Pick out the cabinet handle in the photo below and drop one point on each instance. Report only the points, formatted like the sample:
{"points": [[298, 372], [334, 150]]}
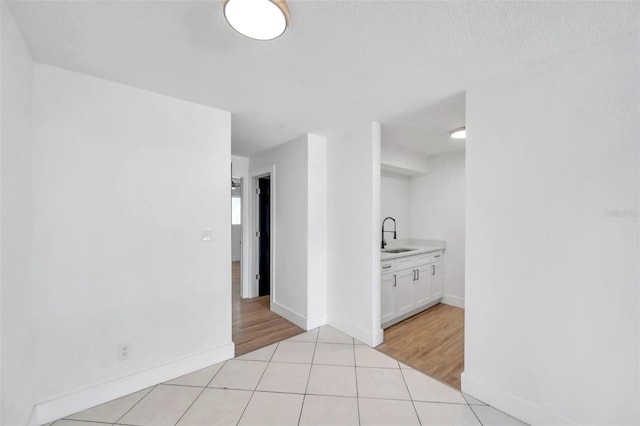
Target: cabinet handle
{"points": [[433, 269], [414, 274], [395, 281], [386, 267]]}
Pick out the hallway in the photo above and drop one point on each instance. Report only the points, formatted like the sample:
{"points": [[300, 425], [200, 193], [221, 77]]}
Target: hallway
{"points": [[253, 324]]}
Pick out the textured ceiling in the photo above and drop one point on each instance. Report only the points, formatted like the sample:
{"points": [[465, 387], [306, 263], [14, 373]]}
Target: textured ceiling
{"points": [[426, 130], [339, 61]]}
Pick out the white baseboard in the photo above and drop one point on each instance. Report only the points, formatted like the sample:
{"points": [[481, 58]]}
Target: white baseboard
{"points": [[289, 315], [317, 321], [370, 337], [449, 299], [47, 411], [511, 404], [299, 320]]}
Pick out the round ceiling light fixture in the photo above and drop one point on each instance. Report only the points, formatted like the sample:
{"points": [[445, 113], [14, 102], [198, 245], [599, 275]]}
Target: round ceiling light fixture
{"points": [[257, 19], [458, 134]]}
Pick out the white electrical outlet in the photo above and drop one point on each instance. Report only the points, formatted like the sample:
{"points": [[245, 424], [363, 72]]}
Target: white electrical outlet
{"points": [[124, 351]]}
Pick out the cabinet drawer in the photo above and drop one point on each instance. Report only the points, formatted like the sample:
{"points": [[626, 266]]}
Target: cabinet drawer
{"points": [[386, 267], [413, 261], [437, 256]]}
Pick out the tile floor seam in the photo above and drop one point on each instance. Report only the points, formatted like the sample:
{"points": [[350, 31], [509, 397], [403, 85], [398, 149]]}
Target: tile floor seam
{"points": [[134, 405], [257, 384], [476, 415], [334, 343], [184, 386], [304, 396], [440, 402], [413, 404], [337, 396], [471, 408], [82, 421], [355, 372], [189, 407], [329, 365], [502, 412], [201, 392]]}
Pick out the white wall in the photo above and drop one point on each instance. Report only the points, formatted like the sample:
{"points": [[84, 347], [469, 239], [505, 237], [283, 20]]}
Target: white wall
{"points": [[553, 181], [300, 168], [16, 357], [353, 255], [437, 201], [317, 231], [400, 159], [394, 202], [124, 181]]}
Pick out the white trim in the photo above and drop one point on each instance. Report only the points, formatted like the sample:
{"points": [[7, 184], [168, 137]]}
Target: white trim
{"points": [[370, 337], [317, 321], [65, 405], [289, 315], [511, 404], [449, 299]]}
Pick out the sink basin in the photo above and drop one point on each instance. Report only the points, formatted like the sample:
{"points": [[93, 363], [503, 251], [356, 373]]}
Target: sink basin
{"points": [[398, 250]]}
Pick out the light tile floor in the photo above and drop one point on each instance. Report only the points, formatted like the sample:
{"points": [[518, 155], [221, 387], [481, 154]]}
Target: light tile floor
{"points": [[321, 377]]}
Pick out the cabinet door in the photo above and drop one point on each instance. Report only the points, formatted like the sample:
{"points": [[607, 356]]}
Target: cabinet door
{"points": [[437, 280], [386, 297], [403, 292], [422, 286]]}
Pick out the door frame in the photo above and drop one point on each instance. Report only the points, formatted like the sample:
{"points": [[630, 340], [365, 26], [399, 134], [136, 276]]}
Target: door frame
{"points": [[254, 176]]}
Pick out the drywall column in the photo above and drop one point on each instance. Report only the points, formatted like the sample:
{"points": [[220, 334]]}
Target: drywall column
{"points": [[16, 330], [131, 227], [353, 254], [551, 324]]}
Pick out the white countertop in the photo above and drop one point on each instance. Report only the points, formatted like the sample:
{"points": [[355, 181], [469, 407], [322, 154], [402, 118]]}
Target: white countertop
{"points": [[417, 246]]}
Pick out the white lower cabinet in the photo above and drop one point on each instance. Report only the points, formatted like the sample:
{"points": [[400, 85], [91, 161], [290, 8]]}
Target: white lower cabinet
{"points": [[437, 280], [403, 292], [409, 285], [387, 284], [423, 284]]}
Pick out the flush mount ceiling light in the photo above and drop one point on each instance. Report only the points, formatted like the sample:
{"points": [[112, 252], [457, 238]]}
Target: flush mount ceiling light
{"points": [[458, 134], [257, 19]]}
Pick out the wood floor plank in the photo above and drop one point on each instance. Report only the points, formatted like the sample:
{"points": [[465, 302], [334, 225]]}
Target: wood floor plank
{"points": [[253, 324], [432, 342]]}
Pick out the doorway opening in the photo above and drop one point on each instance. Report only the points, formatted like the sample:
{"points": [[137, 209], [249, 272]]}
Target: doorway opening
{"points": [[254, 324], [264, 236], [422, 186]]}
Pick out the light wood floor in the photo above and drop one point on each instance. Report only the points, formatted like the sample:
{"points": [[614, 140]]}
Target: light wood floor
{"points": [[254, 325], [432, 342]]}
